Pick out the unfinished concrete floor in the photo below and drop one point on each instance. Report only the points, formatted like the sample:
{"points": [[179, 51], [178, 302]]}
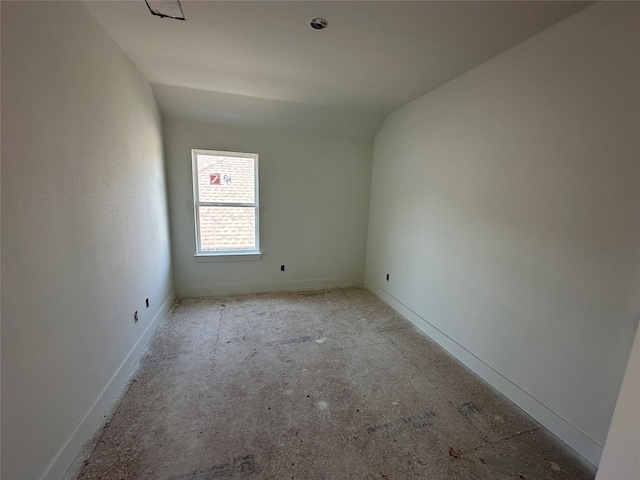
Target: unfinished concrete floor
{"points": [[312, 385]]}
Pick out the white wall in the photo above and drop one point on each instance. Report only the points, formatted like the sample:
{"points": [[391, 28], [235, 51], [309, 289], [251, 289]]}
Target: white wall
{"points": [[506, 207], [84, 230], [314, 200], [620, 459]]}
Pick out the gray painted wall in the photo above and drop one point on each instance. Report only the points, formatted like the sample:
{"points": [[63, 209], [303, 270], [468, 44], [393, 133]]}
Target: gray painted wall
{"points": [[84, 230], [314, 201], [505, 205]]}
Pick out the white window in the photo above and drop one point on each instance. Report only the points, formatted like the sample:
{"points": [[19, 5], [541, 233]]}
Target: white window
{"points": [[225, 197]]}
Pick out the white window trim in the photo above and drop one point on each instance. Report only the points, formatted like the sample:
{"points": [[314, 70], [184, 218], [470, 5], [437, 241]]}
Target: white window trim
{"points": [[224, 255]]}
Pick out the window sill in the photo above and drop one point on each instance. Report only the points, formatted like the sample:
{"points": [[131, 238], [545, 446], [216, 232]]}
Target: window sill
{"points": [[228, 257]]}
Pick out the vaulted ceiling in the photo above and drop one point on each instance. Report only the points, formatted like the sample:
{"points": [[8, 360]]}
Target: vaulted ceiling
{"points": [[260, 62]]}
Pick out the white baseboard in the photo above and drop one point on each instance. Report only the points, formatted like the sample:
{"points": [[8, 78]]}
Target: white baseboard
{"points": [[584, 445], [64, 458], [237, 288]]}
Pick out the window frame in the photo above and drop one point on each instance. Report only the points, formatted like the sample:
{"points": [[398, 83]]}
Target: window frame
{"points": [[223, 255]]}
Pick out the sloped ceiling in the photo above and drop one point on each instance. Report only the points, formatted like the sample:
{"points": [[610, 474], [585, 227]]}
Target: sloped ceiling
{"points": [[260, 63]]}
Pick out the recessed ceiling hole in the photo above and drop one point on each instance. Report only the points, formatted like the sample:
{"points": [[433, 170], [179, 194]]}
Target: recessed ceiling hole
{"points": [[318, 23]]}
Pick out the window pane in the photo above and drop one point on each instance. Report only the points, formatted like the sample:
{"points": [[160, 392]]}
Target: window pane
{"points": [[227, 228], [226, 179]]}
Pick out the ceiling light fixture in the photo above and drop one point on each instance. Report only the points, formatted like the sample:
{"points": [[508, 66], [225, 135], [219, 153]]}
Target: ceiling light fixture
{"points": [[166, 9], [318, 23]]}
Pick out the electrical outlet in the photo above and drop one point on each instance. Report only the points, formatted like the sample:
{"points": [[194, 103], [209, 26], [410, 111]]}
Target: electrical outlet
{"points": [[387, 277], [282, 268], [135, 317]]}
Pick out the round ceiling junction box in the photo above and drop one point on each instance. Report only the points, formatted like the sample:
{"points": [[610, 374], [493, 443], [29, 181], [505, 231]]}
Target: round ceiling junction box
{"points": [[318, 23]]}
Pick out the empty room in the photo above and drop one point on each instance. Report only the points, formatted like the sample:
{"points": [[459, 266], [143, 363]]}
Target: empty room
{"points": [[320, 240]]}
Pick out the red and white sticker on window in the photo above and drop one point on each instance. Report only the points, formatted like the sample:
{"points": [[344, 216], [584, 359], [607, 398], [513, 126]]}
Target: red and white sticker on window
{"points": [[214, 179]]}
